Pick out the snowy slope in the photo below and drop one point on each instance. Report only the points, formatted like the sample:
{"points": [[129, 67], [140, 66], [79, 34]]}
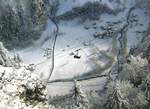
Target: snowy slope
{"points": [[65, 87], [73, 36], [95, 55]]}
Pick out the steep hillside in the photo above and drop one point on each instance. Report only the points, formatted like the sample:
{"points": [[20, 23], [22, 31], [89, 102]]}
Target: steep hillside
{"points": [[19, 87], [22, 22], [88, 54]]}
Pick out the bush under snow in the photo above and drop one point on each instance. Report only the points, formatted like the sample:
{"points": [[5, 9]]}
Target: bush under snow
{"points": [[20, 89]]}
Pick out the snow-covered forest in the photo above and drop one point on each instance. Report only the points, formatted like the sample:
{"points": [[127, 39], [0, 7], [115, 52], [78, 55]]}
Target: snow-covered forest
{"points": [[74, 54]]}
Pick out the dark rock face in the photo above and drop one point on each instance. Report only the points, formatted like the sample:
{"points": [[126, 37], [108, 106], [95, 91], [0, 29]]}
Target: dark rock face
{"points": [[22, 21]]}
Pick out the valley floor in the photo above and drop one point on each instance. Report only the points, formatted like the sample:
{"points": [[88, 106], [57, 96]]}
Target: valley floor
{"points": [[77, 38]]}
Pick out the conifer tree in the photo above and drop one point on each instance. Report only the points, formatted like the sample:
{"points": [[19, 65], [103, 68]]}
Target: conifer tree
{"points": [[4, 58], [79, 98], [116, 100]]}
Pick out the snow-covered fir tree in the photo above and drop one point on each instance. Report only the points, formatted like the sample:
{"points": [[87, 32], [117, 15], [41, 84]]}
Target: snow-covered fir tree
{"points": [[115, 99], [123, 95], [4, 56], [79, 98]]}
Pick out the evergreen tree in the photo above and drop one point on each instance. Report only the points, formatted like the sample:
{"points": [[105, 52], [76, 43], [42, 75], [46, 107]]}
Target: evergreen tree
{"points": [[134, 70], [116, 100], [79, 99], [146, 88], [4, 58], [123, 95]]}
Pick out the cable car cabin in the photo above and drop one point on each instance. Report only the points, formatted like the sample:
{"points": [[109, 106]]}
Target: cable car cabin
{"points": [[77, 57]]}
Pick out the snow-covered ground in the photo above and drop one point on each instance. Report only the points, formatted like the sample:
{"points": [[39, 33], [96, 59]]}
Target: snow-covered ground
{"points": [[14, 83], [74, 37], [63, 88]]}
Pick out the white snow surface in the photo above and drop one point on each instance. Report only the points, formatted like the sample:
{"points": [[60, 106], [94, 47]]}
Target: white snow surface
{"points": [[11, 86], [63, 88], [73, 36]]}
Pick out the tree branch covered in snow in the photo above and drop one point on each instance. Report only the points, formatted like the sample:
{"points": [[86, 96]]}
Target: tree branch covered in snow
{"points": [[21, 89], [123, 95]]}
